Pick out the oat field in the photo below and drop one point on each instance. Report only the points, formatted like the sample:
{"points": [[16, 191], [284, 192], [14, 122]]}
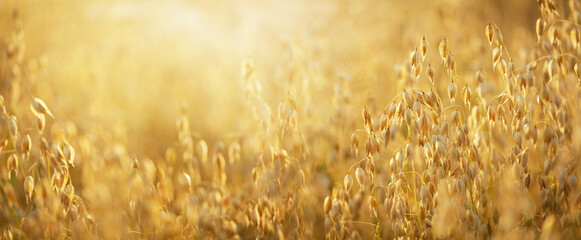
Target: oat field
{"points": [[290, 119]]}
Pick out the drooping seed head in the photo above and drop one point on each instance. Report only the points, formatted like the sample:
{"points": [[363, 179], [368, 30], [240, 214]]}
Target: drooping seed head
{"points": [[444, 49], [39, 107], [452, 89], [466, 94], [73, 212], [479, 77], [414, 59], [383, 122], [552, 68], [440, 149], [574, 37], [489, 33], [40, 122], [365, 114], [372, 205], [354, 141], [424, 194], [498, 35], [29, 187], [348, 182], [44, 146], [12, 164], [540, 28], [430, 73], [417, 108], [407, 97], [399, 158], [450, 63], [423, 47], [13, 126], [69, 154], [553, 34], [367, 121], [26, 144], [360, 176], [68, 195], [386, 136], [408, 116], [234, 152], [455, 118], [496, 54], [135, 167], [409, 151], [327, 205], [510, 68]]}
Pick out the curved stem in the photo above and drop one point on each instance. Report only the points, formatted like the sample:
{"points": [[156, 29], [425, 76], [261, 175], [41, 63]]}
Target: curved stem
{"points": [[355, 164]]}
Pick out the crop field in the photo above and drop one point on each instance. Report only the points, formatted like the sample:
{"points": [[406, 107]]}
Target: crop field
{"points": [[307, 119]]}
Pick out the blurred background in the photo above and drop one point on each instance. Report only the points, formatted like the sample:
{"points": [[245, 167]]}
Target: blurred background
{"points": [[132, 65]]}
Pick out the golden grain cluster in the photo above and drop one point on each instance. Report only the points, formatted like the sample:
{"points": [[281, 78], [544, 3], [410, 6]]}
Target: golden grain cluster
{"points": [[464, 136]]}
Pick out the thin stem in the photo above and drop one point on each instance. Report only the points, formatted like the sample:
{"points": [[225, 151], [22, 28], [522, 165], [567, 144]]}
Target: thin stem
{"points": [[357, 163], [378, 227], [359, 222], [414, 172]]}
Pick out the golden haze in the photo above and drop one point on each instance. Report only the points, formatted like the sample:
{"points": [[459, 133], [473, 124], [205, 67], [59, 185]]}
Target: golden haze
{"points": [[289, 119]]}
